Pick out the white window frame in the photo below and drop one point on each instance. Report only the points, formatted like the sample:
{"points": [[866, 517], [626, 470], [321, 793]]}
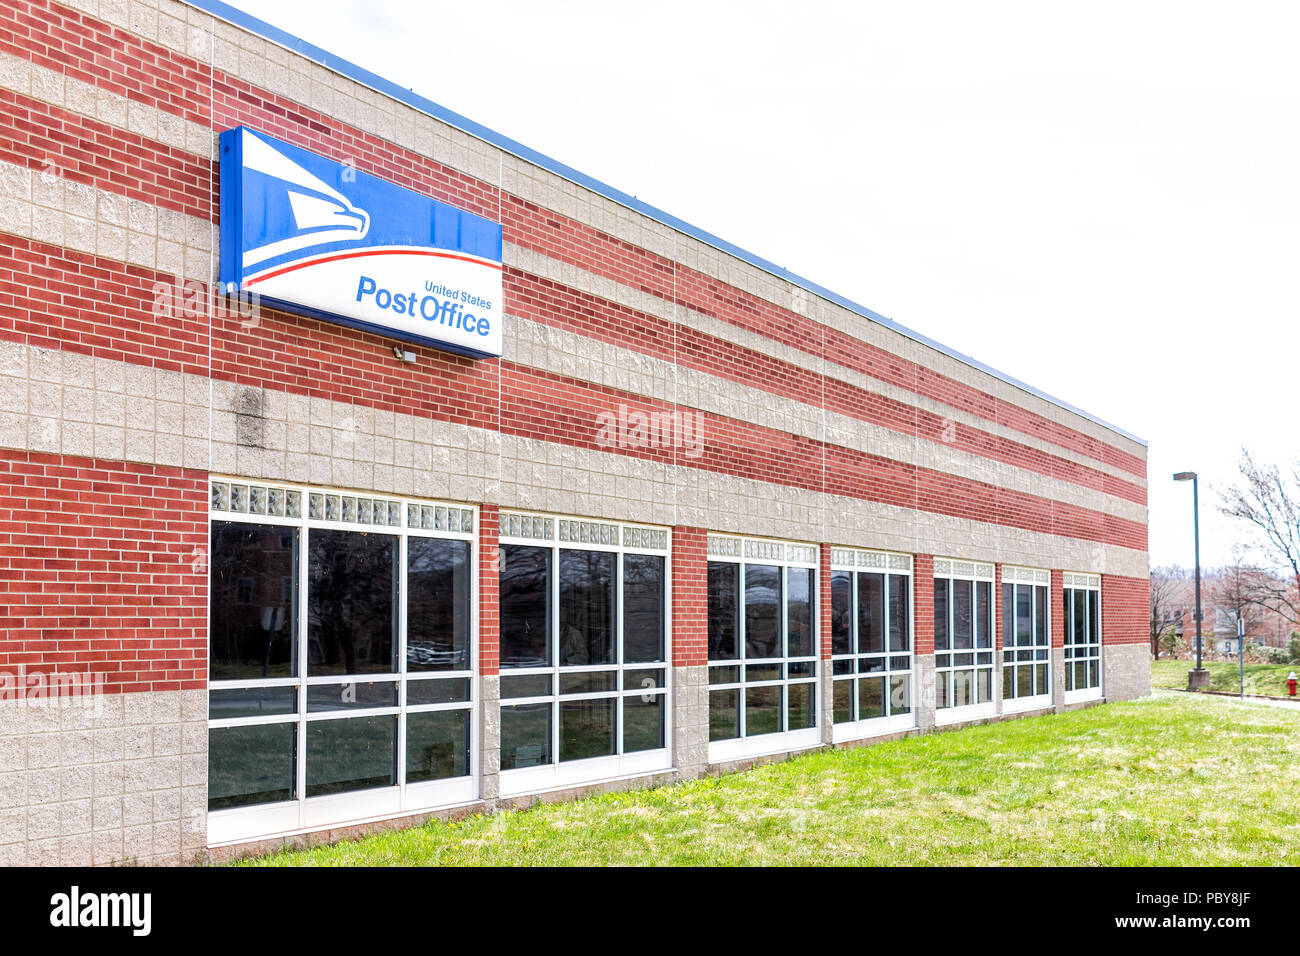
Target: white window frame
{"points": [[553, 533], [857, 561], [732, 549], [1031, 578], [344, 809], [1082, 581], [963, 569]]}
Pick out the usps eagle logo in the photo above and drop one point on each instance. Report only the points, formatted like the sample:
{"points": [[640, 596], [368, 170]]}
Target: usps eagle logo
{"points": [[320, 212]]}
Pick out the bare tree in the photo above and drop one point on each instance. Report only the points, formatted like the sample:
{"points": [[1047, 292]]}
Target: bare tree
{"points": [[1240, 588], [1271, 503], [1166, 604]]}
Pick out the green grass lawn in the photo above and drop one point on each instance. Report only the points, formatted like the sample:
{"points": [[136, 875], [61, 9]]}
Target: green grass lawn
{"points": [[1261, 679], [1175, 779]]}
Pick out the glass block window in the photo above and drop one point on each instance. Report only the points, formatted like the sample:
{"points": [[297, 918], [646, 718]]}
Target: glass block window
{"points": [[762, 636], [1082, 616], [963, 633], [340, 653], [871, 635], [1026, 635]]}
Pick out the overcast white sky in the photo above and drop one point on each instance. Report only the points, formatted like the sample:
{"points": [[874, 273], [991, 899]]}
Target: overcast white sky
{"points": [[1100, 199]]}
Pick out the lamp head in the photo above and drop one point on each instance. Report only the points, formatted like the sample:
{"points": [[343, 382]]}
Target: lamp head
{"points": [[1185, 476]]}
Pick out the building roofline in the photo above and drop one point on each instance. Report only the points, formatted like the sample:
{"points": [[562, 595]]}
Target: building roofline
{"points": [[239, 18]]}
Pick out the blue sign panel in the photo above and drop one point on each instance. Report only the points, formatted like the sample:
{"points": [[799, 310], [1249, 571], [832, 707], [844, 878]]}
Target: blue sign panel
{"points": [[324, 239]]}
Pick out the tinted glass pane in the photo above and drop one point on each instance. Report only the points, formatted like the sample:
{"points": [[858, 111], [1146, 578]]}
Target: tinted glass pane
{"points": [[841, 609], [1067, 616], [1024, 615], [1081, 675], [871, 698], [643, 722], [942, 690], [1040, 616], [724, 714], [1040, 680], [984, 686], [525, 735], [643, 607], [525, 606], [799, 612], [1024, 681], [1008, 615], [1094, 618], [351, 606], [941, 586], [527, 685], [248, 765], [437, 745], [437, 691], [763, 672], [871, 613], [588, 682], [962, 616], [799, 706], [254, 592], [983, 613], [899, 612], [762, 710], [723, 590], [842, 700], [437, 604], [587, 729], [762, 611], [1094, 673], [1008, 683], [963, 688], [357, 753], [900, 696], [586, 607], [252, 702], [355, 696], [724, 675]]}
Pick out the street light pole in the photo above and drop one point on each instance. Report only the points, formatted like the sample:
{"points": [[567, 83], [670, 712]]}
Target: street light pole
{"points": [[1241, 651], [1200, 677]]}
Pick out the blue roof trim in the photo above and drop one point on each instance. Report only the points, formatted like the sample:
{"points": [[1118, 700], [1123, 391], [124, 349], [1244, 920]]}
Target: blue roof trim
{"points": [[363, 76]]}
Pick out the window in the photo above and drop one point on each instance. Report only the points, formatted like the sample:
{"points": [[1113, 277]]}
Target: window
{"points": [[763, 650], [963, 639], [1026, 640], [340, 658], [871, 642], [1082, 617], [584, 650]]}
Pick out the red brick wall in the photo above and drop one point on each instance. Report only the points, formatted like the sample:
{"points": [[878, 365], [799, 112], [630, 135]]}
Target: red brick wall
{"points": [[690, 597], [824, 603], [1055, 608], [62, 299], [489, 591], [105, 570], [923, 627], [70, 42], [1126, 610], [71, 301]]}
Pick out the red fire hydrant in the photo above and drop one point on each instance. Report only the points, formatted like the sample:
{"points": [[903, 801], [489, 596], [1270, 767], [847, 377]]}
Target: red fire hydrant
{"points": [[1290, 685]]}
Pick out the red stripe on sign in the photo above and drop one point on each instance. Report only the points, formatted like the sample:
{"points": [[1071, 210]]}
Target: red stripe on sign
{"points": [[371, 252]]}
